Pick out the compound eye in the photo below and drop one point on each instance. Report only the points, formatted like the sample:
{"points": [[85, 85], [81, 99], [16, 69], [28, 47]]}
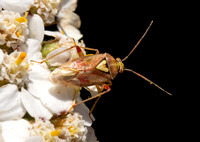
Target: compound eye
{"points": [[103, 66]]}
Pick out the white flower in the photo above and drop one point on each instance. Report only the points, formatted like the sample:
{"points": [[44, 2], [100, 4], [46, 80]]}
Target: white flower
{"points": [[70, 128], [13, 76], [15, 29], [44, 130], [57, 98], [20, 131], [17, 73], [11, 107], [63, 10], [47, 9], [14, 73], [73, 128], [69, 22], [62, 43], [14, 68], [32, 108], [39, 102], [42, 99]]}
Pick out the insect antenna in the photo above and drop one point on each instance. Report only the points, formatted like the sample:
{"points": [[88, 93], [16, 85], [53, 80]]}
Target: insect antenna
{"points": [[138, 41], [151, 82]]}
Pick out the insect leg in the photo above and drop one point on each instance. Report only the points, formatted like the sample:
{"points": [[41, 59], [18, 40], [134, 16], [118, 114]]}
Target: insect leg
{"points": [[91, 110], [91, 49], [95, 103], [78, 50], [73, 101], [108, 89], [99, 89], [54, 55], [86, 48]]}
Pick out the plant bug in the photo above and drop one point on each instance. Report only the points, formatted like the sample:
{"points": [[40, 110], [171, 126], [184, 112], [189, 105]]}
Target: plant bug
{"points": [[97, 69]]}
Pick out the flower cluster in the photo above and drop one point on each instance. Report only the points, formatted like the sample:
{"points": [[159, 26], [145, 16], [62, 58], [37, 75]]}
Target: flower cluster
{"points": [[32, 108], [14, 30]]}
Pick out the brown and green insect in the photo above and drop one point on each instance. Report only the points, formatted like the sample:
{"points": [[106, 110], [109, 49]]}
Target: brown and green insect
{"points": [[97, 69]]}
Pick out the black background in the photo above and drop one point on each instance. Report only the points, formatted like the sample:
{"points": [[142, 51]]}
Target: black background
{"points": [[134, 108]]}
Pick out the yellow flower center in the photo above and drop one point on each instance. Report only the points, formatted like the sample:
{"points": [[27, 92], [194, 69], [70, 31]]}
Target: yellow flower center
{"points": [[62, 32], [22, 19], [55, 133], [21, 58], [72, 130], [18, 33]]}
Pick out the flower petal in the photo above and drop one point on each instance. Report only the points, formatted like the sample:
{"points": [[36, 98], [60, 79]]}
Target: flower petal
{"points": [[69, 4], [69, 22], [34, 106], [67, 17], [39, 77], [91, 137], [71, 31], [33, 49], [60, 99], [59, 59], [57, 98], [34, 139], [11, 106], [84, 111], [15, 131], [36, 27], [19, 6], [92, 89], [55, 34]]}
